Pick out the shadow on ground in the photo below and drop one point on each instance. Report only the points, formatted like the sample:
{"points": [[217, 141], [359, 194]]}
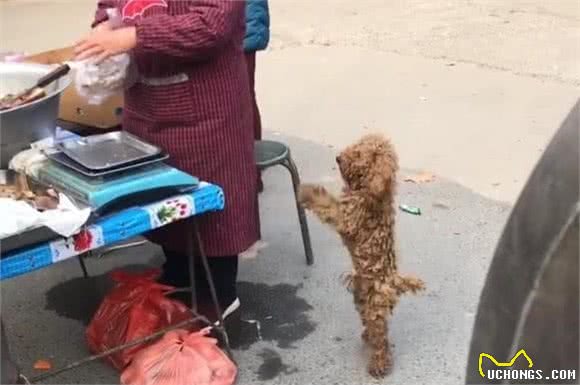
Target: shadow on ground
{"points": [[301, 326]]}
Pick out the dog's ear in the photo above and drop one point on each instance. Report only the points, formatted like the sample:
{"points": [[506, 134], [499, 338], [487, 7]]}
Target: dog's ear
{"points": [[380, 181], [383, 173]]}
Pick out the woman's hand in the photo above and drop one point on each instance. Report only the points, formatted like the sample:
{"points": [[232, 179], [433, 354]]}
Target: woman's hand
{"points": [[104, 26], [105, 42]]}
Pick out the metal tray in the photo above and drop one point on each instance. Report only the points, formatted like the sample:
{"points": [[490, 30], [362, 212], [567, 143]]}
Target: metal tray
{"points": [[62, 159], [108, 151]]}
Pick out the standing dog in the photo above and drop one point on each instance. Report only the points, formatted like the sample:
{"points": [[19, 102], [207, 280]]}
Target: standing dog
{"points": [[364, 216]]}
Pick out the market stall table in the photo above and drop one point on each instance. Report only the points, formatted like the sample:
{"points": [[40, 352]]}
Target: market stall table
{"points": [[120, 226]]}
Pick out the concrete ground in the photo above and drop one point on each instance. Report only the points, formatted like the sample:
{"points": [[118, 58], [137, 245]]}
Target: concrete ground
{"points": [[469, 90]]}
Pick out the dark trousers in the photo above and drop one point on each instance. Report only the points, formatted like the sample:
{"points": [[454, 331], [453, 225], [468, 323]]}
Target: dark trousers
{"points": [[224, 271]]}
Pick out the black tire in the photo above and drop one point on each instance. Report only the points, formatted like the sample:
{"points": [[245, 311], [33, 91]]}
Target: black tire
{"points": [[531, 295]]}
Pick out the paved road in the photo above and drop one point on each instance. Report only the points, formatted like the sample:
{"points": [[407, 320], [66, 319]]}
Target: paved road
{"points": [[470, 90], [309, 328]]}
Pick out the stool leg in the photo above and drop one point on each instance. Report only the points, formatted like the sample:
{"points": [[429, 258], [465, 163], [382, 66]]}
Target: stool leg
{"points": [[191, 251], [291, 167]]}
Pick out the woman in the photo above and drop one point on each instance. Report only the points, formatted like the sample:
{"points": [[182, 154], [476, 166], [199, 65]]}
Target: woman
{"points": [[193, 100], [257, 39]]}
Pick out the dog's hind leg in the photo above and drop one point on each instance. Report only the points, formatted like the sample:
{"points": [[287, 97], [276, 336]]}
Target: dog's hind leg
{"points": [[360, 304], [381, 360]]}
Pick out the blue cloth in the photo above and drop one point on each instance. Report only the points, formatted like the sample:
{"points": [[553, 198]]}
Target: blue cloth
{"points": [[257, 25], [114, 228]]}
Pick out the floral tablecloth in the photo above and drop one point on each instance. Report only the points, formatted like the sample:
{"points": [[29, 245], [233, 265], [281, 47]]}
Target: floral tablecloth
{"points": [[114, 228]]}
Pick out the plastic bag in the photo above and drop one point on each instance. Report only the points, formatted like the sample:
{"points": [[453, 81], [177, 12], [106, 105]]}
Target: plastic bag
{"points": [[98, 82], [135, 308], [181, 358]]}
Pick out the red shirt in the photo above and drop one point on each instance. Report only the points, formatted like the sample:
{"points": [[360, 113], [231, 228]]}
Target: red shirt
{"points": [[204, 123]]}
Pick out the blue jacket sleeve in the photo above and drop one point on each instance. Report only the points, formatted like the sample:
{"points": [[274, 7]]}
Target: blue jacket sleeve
{"points": [[257, 25]]}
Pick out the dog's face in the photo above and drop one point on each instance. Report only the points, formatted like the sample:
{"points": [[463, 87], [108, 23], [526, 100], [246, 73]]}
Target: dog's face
{"points": [[370, 164]]}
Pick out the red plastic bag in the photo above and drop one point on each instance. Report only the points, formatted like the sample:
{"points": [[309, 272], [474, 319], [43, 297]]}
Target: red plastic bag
{"points": [[181, 358], [135, 308]]}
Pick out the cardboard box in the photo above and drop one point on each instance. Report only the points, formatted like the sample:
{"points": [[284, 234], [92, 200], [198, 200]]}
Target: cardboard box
{"points": [[73, 107]]}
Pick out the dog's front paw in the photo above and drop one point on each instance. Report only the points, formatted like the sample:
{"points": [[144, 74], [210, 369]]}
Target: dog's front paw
{"points": [[408, 284], [413, 284], [365, 335], [347, 280], [380, 364], [308, 194], [418, 285]]}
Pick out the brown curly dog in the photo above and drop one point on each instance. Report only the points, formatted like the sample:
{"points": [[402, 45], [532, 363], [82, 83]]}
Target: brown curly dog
{"points": [[364, 216]]}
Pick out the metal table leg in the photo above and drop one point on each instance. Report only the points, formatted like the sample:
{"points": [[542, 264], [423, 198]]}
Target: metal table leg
{"points": [[191, 253], [81, 259], [219, 326]]}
